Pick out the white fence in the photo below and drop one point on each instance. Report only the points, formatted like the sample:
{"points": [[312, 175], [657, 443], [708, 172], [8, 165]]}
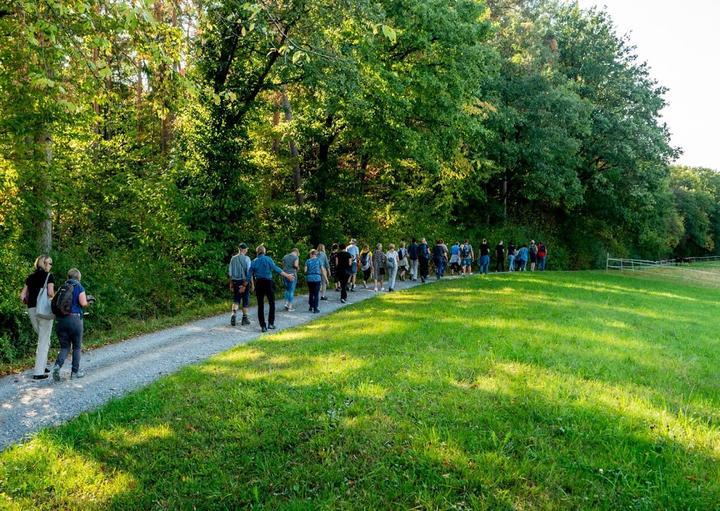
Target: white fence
{"points": [[624, 264]]}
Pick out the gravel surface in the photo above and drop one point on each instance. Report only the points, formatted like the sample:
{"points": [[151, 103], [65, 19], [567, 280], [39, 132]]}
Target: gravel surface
{"points": [[27, 405]]}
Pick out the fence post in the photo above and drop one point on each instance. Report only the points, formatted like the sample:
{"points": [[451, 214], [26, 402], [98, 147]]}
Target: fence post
{"points": [[607, 262]]}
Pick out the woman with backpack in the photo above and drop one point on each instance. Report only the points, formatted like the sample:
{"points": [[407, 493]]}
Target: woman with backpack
{"points": [[366, 264], [379, 263], [40, 280], [392, 266], [68, 306], [403, 263]]}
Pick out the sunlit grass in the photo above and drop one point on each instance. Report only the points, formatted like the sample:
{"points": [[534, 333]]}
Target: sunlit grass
{"points": [[528, 391]]}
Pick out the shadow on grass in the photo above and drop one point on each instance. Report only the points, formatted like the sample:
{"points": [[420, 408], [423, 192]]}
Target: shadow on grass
{"points": [[449, 397]]}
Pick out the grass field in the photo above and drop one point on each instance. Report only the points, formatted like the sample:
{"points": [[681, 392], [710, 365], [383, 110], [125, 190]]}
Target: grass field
{"points": [[528, 391]]}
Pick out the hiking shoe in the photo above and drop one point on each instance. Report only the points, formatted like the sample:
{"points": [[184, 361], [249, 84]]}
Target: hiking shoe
{"points": [[290, 309], [263, 329], [323, 297], [40, 376], [76, 375], [56, 373], [245, 321], [315, 311], [232, 320], [343, 301], [271, 327]]}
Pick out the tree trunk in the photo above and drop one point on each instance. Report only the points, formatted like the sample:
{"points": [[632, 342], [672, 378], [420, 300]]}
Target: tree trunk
{"points": [[276, 122], [43, 144], [297, 177]]}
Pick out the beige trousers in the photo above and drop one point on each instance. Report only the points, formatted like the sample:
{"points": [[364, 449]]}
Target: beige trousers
{"points": [[43, 329]]}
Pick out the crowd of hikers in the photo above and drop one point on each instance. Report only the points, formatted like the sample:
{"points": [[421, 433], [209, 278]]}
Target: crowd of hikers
{"points": [[376, 267], [339, 268]]}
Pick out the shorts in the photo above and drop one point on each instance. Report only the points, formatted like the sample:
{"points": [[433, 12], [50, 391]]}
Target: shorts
{"points": [[241, 296], [467, 261], [353, 268], [533, 258], [366, 273], [380, 271]]}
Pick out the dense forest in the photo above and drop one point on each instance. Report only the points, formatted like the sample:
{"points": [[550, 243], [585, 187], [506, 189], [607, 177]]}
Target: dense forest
{"points": [[142, 140]]}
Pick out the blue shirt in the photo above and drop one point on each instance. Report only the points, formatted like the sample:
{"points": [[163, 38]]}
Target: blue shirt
{"points": [[523, 254], [313, 270], [322, 257], [455, 250], [353, 251], [77, 289], [262, 268]]}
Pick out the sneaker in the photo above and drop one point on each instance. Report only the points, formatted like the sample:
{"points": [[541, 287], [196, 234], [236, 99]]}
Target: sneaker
{"points": [[343, 301], [40, 376], [56, 373], [323, 297], [271, 327], [315, 311], [232, 320], [310, 309], [287, 307], [382, 289], [263, 329], [47, 370], [390, 290], [245, 321], [375, 290], [76, 375], [353, 288]]}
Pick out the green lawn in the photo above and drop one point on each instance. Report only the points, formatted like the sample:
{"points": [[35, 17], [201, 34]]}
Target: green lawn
{"points": [[526, 391]]}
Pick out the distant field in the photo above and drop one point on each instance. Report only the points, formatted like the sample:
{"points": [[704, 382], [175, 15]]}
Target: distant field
{"points": [[528, 391]]}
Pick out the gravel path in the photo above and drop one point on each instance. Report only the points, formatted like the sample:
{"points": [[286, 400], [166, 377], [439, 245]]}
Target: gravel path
{"points": [[27, 405]]}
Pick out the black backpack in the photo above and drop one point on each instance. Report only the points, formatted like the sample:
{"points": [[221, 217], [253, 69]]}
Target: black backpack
{"points": [[62, 302]]}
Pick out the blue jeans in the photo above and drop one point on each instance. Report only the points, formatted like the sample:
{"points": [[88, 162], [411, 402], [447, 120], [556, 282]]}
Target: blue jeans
{"points": [[541, 263], [290, 290], [511, 262], [484, 263], [439, 267], [70, 333]]}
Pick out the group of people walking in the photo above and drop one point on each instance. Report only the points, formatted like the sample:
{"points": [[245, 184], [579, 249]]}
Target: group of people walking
{"points": [[63, 307], [341, 267], [376, 267]]}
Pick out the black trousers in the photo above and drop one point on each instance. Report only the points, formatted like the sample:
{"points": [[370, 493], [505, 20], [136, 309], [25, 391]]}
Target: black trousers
{"points": [[343, 278], [264, 288], [500, 264], [424, 270], [314, 294]]}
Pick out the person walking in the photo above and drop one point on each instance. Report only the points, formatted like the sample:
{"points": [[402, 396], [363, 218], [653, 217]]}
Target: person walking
{"points": [[331, 260], [238, 271], [522, 258], [40, 280], [455, 258], [541, 255], [500, 257], [354, 251], [439, 258], [393, 262], [511, 253], [484, 257], [343, 268], [468, 256], [291, 263], [261, 274], [532, 250], [423, 259], [366, 264], [313, 275], [413, 256], [403, 264], [69, 327], [325, 265], [379, 264]]}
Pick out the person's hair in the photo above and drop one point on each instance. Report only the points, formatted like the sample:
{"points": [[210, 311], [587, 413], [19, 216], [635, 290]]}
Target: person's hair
{"points": [[313, 252], [334, 246], [365, 248], [500, 242], [484, 240], [402, 245], [423, 240], [379, 246], [260, 250], [342, 246], [466, 241], [391, 246], [321, 247], [296, 250], [74, 273], [40, 261], [414, 240]]}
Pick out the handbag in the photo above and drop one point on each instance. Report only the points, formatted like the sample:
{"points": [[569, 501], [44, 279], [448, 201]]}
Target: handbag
{"points": [[43, 309]]}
